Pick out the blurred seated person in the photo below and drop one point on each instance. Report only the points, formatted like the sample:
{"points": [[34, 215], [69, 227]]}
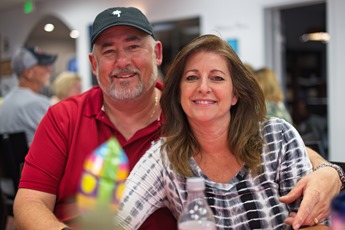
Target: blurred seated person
{"points": [[23, 107], [66, 84], [249, 67], [312, 127], [215, 128], [273, 93]]}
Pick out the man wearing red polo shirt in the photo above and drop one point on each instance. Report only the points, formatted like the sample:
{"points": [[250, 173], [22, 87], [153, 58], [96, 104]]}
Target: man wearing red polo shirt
{"points": [[124, 58]]}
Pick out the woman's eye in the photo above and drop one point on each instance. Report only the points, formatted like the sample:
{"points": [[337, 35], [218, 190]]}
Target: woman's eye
{"points": [[217, 78], [191, 78]]}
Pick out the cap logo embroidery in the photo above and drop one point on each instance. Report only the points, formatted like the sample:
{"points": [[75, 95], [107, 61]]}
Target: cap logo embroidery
{"points": [[116, 12]]}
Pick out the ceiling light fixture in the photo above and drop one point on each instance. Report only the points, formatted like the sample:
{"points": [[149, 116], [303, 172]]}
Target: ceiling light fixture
{"points": [[49, 27], [318, 36], [74, 34]]}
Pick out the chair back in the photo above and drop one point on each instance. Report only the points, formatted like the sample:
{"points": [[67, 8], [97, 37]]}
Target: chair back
{"points": [[13, 149]]}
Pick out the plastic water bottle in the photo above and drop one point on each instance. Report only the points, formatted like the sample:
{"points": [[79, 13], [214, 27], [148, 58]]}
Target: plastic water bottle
{"points": [[338, 212], [196, 213]]}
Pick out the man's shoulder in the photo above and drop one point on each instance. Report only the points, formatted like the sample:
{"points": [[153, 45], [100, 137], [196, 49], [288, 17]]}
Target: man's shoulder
{"points": [[89, 101]]}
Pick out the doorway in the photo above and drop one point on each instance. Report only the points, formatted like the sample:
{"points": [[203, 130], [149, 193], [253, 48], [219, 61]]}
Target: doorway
{"points": [[303, 68], [174, 35]]}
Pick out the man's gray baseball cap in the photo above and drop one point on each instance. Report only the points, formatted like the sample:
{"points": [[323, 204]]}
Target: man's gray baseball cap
{"points": [[27, 57], [120, 16]]}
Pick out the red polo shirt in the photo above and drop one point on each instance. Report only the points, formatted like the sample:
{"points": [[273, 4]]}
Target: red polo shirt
{"points": [[67, 134]]}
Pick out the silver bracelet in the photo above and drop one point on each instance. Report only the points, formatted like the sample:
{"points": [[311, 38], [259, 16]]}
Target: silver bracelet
{"points": [[336, 167]]}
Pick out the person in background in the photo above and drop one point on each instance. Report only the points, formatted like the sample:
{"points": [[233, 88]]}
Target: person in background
{"points": [[311, 126], [215, 128], [249, 67], [313, 130], [23, 107], [273, 93], [66, 84], [125, 58], [275, 107]]}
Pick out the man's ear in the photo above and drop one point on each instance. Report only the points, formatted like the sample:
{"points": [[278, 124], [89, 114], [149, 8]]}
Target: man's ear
{"points": [[27, 74], [159, 53], [93, 64]]}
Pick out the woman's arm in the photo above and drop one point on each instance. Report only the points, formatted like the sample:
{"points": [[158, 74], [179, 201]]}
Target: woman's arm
{"points": [[144, 191], [317, 189]]}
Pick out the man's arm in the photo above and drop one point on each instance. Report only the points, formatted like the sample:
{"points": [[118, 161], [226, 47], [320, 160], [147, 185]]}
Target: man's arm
{"points": [[315, 158], [318, 189], [34, 210]]}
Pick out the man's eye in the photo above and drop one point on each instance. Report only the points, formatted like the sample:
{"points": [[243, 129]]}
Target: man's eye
{"points": [[109, 51], [133, 47]]}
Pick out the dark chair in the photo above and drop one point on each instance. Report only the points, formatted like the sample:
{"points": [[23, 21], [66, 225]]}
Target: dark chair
{"points": [[13, 149], [3, 212]]}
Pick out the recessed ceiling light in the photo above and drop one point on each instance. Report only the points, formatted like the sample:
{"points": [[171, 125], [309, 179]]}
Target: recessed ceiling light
{"points": [[74, 34], [318, 36], [49, 27]]}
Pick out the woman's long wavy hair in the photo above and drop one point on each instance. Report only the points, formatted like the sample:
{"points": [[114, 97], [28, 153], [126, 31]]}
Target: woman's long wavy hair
{"points": [[244, 138]]}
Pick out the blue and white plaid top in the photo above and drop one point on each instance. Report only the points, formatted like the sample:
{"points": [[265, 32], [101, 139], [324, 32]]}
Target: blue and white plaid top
{"points": [[246, 202]]}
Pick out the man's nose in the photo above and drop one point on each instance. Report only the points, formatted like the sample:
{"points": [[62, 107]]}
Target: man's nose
{"points": [[122, 59]]}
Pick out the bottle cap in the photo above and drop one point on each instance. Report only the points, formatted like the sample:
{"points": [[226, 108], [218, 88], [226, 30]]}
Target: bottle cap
{"points": [[195, 184]]}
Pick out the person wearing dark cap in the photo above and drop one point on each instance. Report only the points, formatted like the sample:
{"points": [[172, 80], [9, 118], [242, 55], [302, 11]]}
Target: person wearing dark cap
{"points": [[125, 58], [23, 107]]}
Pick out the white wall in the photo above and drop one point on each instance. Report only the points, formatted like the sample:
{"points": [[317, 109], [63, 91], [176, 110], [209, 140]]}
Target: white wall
{"points": [[336, 79], [243, 20]]}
